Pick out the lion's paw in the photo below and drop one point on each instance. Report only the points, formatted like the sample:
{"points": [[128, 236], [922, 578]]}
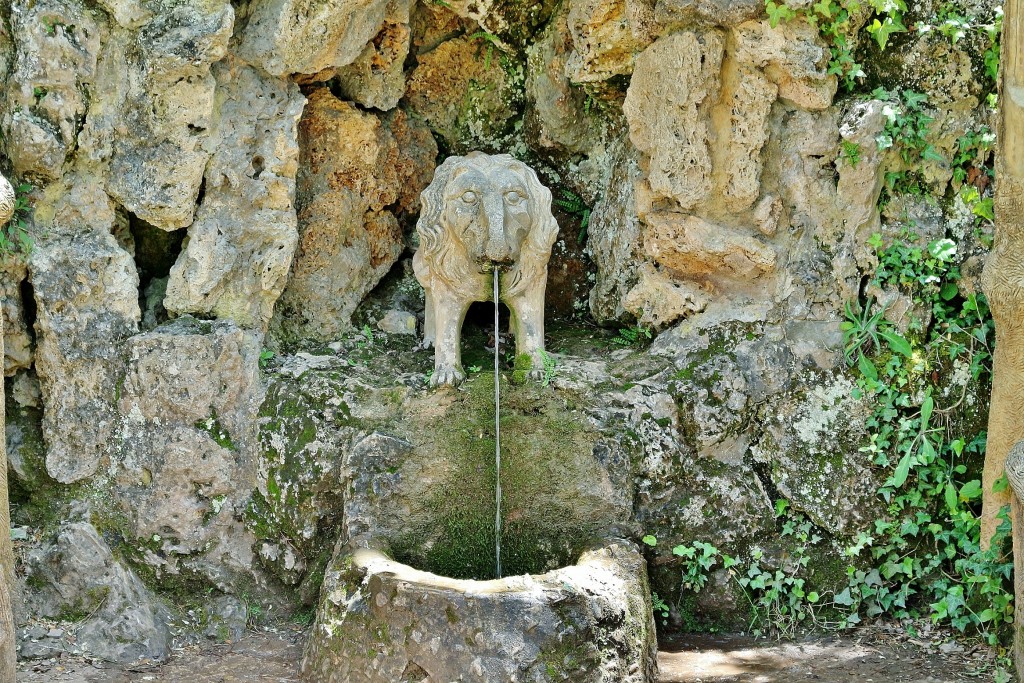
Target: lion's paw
{"points": [[447, 376]]}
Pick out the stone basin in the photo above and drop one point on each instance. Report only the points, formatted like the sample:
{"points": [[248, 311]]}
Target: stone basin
{"points": [[381, 621]]}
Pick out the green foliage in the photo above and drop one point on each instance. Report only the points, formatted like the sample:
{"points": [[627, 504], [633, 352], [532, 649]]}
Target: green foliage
{"points": [[491, 41], [638, 335], [850, 151], [906, 131], [955, 26], [574, 205], [780, 600], [550, 364], [923, 556], [14, 237], [266, 355], [697, 561], [834, 20]]}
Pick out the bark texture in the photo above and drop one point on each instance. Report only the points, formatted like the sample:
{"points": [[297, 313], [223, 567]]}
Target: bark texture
{"points": [[1003, 283], [1003, 279]]}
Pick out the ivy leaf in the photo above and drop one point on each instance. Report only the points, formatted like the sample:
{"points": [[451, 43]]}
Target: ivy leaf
{"points": [[898, 343], [943, 249], [970, 490], [949, 290], [1001, 484], [881, 30], [650, 540], [844, 598]]}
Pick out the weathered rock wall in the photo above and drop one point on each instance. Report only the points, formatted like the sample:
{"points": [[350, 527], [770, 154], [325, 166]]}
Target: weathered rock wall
{"points": [[212, 180]]}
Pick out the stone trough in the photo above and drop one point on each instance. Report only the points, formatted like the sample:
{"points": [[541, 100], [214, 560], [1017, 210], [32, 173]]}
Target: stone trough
{"points": [[381, 621]]}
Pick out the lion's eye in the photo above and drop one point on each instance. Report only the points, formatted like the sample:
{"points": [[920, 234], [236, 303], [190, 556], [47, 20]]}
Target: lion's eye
{"points": [[469, 197], [514, 196]]}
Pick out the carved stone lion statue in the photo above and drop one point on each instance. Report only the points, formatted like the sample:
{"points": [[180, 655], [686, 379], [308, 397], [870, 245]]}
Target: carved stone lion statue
{"points": [[482, 212]]}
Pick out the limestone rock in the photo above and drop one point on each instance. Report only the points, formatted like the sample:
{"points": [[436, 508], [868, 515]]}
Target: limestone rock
{"points": [[613, 236], [558, 108], [397, 322], [18, 346], [810, 446], [657, 301], [589, 623], [860, 184], [77, 574], [748, 96], [286, 37], [376, 78], [607, 35], [713, 12], [46, 94], [697, 249], [354, 177], [467, 97], [668, 108], [512, 24], [240, 247], [187, 407], [161, 138], [792, 56], [296, 504], [127, 13], [86, 291]]}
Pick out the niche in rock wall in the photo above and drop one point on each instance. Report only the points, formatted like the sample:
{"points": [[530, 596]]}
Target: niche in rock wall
{"points": [[156, 250]]}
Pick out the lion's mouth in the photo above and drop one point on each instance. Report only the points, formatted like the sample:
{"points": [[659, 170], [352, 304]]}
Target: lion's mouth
{"points": [[488, 266]]}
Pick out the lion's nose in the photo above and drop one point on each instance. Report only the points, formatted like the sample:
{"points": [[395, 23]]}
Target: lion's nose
{"points": [[497, 249]]}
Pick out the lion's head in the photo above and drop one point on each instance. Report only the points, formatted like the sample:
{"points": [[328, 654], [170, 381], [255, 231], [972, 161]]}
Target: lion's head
{"points": [[491, 209]]}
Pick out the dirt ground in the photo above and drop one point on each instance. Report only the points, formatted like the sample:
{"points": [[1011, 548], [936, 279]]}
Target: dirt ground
{"points": [[273, 657]]}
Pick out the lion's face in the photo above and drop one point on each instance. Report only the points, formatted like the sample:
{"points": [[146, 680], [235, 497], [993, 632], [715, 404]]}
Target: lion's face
{"points": [[489, 212]]}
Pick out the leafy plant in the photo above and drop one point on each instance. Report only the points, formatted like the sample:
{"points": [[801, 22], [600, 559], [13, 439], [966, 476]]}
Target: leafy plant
{"points": [[491, 41], [549, 367], [834, 20], [697, 562], [850, 151], [574, 205], [636, 335], [266, 355], [15, 239], [906, 131]]}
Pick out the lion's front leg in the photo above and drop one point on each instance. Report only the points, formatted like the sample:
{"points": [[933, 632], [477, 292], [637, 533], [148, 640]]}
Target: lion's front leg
{"points": [[448, 314], [429, 329], [528, 327]]}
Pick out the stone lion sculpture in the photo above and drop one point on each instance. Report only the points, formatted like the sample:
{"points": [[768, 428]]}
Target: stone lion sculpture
{"points": [[482, 212]]}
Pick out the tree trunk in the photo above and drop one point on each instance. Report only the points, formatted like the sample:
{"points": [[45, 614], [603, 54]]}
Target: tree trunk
{"points": [[8, 644], [1003, 278], [1003, 283]]}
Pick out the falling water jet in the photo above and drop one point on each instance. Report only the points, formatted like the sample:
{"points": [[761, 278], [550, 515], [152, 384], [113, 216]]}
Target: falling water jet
{"points": [[497, 436]]}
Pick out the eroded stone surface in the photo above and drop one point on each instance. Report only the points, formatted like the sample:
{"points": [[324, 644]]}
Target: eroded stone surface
{"points": [[240, 247], [160, 142], [187, 407], [77, 575], [355, 177], [381, 621], [86, 291], [607, 35], [667, 106], [296, 37]]}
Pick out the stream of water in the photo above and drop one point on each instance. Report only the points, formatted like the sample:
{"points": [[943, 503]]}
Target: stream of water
{"points": [[497, 436]]}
